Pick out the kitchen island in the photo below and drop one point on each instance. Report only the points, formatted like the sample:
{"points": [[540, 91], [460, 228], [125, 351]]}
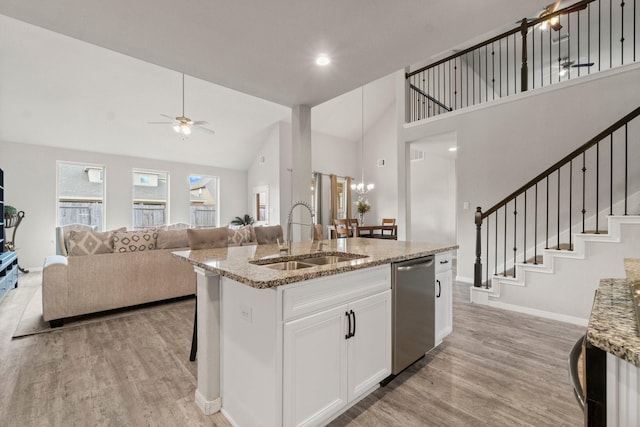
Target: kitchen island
{"points": [[613, 353], [295, 338]]}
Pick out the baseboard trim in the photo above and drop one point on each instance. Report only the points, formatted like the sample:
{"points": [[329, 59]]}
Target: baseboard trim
{"points": [[540, 313], [208, 407]]}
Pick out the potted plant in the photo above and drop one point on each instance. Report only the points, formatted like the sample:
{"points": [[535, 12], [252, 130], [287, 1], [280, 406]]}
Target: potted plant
{"points": [[242, 221], [362, 206]]}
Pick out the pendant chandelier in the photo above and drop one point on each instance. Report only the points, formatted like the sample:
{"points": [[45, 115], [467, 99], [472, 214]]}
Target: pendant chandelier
{"points": [[361, 188]]}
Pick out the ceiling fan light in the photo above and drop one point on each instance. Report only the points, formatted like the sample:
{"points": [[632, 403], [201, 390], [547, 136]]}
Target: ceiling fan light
{"points": [[185, 129], [543, 26], [176, 128]]}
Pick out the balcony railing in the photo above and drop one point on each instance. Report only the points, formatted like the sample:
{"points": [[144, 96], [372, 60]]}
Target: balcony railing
{"points": [[587, 37]]}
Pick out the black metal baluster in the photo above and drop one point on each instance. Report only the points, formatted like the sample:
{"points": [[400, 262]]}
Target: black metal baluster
{"points": [[524, 240], [570, 204], [599, 35], [611, 175], [547, 227], [504, 270], [584, 179], [579, 13], [558, 237], [589, 37], [535, 229], [486, 73], [541, 58], [515, 249], [515, 70], [507, 72], [610, 33], [500, 66], [569, 45], [622, 32], [495, 258], [493, 71], [473, 77], [597, 187], [626, 167], [634, 31], [466, 55], [550, 60], [455, 83], [487, 282]]}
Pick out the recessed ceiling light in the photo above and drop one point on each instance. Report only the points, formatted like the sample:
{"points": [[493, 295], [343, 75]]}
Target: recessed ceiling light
{"points": [[453, 149], [323, 60]]}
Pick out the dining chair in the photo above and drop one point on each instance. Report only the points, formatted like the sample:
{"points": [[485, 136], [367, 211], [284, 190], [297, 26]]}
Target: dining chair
{"points": [[317, 232], [353, 225], [388, 222], [341, 228]]}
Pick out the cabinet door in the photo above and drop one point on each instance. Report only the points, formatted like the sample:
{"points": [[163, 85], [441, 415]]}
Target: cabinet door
{"points": [[315, 367], [370, 345], [444, 318]]}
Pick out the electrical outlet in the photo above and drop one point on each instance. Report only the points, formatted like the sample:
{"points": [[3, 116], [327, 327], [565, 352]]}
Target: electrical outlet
{"points": [[465, 206], [245, 313]]}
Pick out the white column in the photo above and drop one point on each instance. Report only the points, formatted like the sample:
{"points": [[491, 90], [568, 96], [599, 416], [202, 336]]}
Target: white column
{"points": [[208, 388], [301, 162]]}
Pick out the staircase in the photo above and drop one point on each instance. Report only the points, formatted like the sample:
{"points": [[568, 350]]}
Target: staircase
{"points": [[544, 248], [562, 285]]}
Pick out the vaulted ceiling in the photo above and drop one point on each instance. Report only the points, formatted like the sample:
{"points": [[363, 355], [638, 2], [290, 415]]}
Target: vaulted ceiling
{"points": [[264, 49]]}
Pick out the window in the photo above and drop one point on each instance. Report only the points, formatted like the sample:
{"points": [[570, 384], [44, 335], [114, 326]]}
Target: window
{"points": [[203, 201], [150, 198], [80, 194]]}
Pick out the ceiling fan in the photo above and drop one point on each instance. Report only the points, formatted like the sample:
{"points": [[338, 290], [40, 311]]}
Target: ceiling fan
{"points": [[566, 65], [182, 124]]}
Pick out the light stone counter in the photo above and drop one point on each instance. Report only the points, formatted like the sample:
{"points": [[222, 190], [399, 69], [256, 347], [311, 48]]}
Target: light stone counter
{"points": [[612, 325], [237, 263]]}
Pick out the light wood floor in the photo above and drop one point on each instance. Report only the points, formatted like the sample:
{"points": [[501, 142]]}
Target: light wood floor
{"points": [[496, 369]]}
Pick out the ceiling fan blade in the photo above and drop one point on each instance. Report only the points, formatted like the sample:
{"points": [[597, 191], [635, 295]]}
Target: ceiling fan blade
{"points": [[203, 129], [199, 122], [168, 117], [159, 123]]}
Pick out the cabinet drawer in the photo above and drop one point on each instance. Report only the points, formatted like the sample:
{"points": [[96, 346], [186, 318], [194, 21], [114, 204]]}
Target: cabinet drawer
{"points": [[443, 262], [325, 292]]}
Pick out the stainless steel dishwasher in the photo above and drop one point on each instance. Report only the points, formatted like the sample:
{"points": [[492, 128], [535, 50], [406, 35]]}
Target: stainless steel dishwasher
{"points": [[413, 311]]}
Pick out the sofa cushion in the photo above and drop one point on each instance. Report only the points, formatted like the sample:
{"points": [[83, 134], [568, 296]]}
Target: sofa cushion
{"points": [[208, 238], [135, 241], [171, 239], [90, 242], [239, 236], [267, 235]]}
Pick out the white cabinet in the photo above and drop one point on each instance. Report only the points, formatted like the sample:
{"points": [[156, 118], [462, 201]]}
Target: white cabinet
{"points": [[334, 356], [444, 297]]}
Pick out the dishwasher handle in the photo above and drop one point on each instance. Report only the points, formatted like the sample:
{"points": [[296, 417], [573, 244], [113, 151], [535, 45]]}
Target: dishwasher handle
{"points": [[418, 266]]}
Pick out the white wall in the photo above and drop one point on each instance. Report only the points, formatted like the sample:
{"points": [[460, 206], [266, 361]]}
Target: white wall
{"points": [[380, 143], [433, 199], [30, 185], [266, 174], [503, 144]]}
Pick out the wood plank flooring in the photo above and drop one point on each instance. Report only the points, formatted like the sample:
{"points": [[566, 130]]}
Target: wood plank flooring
{"points": [[497, 368]]}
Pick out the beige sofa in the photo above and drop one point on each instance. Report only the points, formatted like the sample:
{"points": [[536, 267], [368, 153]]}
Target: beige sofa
{"points": [[78, 283]]}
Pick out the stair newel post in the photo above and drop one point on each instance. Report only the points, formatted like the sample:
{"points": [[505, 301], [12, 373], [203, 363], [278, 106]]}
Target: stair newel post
{"points": [[524, 70], [477, 273]]}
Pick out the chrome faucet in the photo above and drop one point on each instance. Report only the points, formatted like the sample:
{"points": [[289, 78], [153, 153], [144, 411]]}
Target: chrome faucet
{"points": [[290, 223]]}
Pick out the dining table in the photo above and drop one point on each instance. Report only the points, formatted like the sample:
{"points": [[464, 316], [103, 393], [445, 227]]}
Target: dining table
{"points": [[377, 231]]}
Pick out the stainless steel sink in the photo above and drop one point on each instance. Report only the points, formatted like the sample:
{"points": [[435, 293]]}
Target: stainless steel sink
{"points": [[324, 260], [289, 265]]}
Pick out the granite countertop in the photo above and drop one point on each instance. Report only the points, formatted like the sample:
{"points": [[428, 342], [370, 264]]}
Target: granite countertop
{"points": [[236, 262], [613, 326]]}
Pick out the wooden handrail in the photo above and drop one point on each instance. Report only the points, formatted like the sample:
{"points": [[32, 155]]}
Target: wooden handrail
{"points": [[575, 153], [569, 9]]}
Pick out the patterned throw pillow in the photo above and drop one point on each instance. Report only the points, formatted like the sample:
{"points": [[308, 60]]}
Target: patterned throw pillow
{"points": [[135, 241], [90, 242], [239, 236]]}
